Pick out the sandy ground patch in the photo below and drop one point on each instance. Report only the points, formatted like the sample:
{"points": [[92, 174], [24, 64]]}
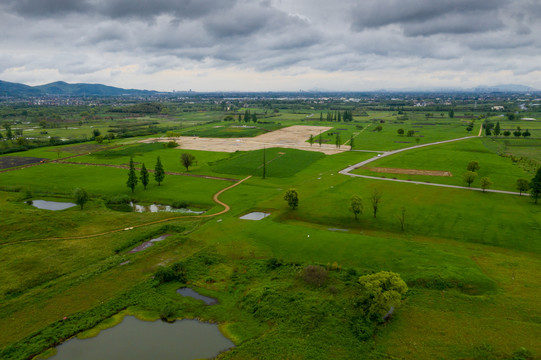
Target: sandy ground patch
{"points": [[293, 137], [410, 171]]}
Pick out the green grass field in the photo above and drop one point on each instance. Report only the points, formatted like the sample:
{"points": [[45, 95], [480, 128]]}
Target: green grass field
{"points": [[471, 260]]}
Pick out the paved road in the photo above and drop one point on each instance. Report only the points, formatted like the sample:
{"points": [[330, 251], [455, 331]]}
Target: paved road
{"points": [[347, 171]]}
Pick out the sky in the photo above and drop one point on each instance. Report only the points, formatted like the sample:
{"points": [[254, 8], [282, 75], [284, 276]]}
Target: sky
{"points": [[272, 45]]}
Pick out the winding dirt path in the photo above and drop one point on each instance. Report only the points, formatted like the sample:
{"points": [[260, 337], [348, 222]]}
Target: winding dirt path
{"points": [[215, 198]]}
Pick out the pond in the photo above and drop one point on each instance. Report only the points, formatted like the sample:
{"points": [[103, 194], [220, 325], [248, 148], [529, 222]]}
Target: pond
{"points": [[51, 205], [135, 339], [194, 294], [256, 215], [162, 208], [148, 244]]}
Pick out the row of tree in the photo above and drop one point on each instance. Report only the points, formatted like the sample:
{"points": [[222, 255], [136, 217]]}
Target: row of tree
{"points": [[144, 177], [346, 116]]}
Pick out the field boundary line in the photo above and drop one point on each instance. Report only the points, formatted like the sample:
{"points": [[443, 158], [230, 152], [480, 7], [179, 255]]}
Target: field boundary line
{"points": [[215, 198]]}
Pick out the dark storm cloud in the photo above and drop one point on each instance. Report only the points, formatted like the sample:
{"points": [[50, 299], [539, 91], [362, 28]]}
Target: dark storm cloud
{"points": [[442, 16], [85, 37], [46, 8]]}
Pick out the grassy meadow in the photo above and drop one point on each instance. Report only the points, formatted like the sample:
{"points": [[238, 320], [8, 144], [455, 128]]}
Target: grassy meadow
{"points": [[470, 260]]}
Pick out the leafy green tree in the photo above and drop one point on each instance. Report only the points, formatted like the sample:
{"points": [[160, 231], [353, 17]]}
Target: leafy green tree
{"points": [[497, 129], [469, 177], [159, 173], [132, 178], [356, 206], [9, 133], [400, 132], [473, 166], [96, 133], [80, 196], [320, 139], [338, 141], [384, 289], [485, 183], [523, 185], [351, 142], [375, 199], [378, 128], [144, 176], [506, 133], [187, 160], [452, 114], [254, 118], [292, 198], [99, 139], [526, 133], [311, 139], [410, 133], [535, 186]]}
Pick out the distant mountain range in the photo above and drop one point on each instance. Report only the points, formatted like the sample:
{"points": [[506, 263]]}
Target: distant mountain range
{"points": [[61, 88]]}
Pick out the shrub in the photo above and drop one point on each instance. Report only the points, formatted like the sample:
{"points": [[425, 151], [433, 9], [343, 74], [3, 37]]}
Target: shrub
{"points": [[180, 204], [119, 199], [172, 144], [314, 275]]}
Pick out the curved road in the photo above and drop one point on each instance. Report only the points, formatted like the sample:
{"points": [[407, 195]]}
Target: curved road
{"points": [[347, 171]]}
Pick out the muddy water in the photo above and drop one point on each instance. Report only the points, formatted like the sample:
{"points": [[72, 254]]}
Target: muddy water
{"points": [[162, 208], [51, 205], [194, 294], [148, 244], [134, 339]]}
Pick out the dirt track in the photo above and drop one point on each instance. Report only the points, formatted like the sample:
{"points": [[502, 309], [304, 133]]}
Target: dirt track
{"points": [[410, 171], [293, 137]]}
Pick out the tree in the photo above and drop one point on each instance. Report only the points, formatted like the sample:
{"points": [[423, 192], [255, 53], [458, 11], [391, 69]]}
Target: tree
{"points": [[469, 177], [400, 132], [159, 173], [488, 132], [485, 183], [254, 118], [338, 141], [356, 206], [311, 139], [526, 133], [410, 133], [292, 198], [132, 178], [497, 129], [378, 128], [320, 139], [535, 186], [385, 289], [144, 176], [522, 185], [80, 196], [351, 142], [95, 133], [376, 199], [99, 139], [402, 218], [187, 160], [473, 166], [506, 133], [452, 114]]}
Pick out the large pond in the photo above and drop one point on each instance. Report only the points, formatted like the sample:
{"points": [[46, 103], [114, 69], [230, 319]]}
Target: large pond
{"points": [[51, 205], [162, 208], [134, 339]]}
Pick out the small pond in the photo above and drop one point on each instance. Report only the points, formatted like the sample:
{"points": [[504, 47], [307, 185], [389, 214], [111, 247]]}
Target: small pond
{"points": [[148, 244], [256, 215], [134, 339], [194, 294], [162, 208], [51, 205]]}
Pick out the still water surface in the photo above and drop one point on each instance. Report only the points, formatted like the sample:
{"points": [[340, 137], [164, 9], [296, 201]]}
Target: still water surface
{"points": [[134, 339]]}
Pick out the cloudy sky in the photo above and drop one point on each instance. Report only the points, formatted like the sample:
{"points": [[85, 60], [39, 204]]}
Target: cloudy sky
{"points": [[273, 45]]}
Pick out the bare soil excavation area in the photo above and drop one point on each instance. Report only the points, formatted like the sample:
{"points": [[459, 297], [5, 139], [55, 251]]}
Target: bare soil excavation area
{"points": [[410, 171], [293, 137]]}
